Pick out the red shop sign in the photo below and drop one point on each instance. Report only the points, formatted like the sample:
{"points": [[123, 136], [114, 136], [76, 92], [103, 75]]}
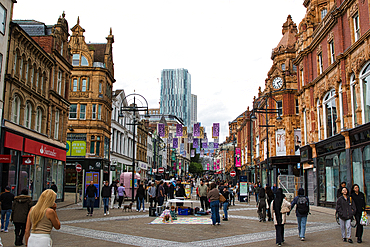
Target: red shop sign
{"points": [[27, 160], [42, 149], [5, 158]]}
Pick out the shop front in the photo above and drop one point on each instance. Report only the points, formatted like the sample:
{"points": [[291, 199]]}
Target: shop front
{"points": [[34, 164]]}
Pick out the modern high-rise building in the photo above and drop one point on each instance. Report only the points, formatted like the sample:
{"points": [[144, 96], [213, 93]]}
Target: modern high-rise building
{"points": [[194, 109], [176, 94]]}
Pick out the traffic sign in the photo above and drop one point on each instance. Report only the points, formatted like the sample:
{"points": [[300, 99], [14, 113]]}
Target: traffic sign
{"points": [[78, 168], [48, 168], [233, 173], [161, 170]]}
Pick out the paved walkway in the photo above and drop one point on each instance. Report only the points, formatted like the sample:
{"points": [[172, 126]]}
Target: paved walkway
{"points": [[133, 229]]}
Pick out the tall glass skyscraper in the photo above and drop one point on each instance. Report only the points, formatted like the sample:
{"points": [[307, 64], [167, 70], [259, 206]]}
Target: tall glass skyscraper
{"points": [[176, 94], [194, 110]]}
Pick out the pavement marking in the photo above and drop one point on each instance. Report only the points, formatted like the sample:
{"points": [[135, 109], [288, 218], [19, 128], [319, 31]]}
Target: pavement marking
{"points": [[225, 241], [288, 221], [105, 219]]}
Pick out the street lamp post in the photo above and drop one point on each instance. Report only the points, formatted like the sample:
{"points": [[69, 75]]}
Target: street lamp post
{"points": [[133, 108], [259, 109]]}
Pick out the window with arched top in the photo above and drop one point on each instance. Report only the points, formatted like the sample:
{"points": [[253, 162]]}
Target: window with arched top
{"points": [[365, 93], [28, 115], [353, 100], [330, 114], [15, 63], [38, 122], [21, 65], [79, 60], [16, 109]]}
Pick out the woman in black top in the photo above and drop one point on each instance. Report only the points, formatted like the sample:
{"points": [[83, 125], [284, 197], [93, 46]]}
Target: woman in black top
{"points": [[261, 204], [359, 199], [270, 198]]}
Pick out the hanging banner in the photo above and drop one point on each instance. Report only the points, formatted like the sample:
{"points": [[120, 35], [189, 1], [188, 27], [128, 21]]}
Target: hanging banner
{"points": [[180, 165], [178, 130], [192, 153], [280, 142], [237, 157], [184, 132], [214, 165], [170, 138], [166, 131], [190, 137], [196, 130], [197, 150], [175, 143], [215, 145], [182, 148], [210, 145], [204, 145], [215, 130], [201, 133], [195, 143], [184, 154], [201, 153], [160, 129], [207, 166], [215, 140], [174, 166]]}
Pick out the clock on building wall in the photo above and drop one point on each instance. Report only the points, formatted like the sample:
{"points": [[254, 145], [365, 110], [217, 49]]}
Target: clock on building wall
{"points": [[277, 83]]}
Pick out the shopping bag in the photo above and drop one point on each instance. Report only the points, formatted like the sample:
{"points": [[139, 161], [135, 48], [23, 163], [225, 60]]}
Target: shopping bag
{"points": [[222, 198], [364, 220]]}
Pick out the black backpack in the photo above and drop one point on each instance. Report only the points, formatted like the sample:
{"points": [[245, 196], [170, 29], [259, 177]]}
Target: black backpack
{"points": [[302, 205]]}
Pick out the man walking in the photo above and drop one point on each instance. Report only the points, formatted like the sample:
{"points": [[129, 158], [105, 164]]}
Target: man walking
{"points": [[91, 195], [301, 212], [256, 192], [105, 194], [152, 193], [6, 200], [202, 190]]}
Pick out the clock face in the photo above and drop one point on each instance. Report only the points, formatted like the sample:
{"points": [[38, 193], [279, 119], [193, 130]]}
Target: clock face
{"points": [[277, 83]]}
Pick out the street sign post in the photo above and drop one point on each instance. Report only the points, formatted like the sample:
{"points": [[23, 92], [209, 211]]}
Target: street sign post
{"points": [[78, 168], [233, 173], [161, 170]]}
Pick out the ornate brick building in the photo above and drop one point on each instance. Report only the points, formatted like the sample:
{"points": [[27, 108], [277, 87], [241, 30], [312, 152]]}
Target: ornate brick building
{"points": [[36, 106], [90, 94], [277, 153], [334, 64]]}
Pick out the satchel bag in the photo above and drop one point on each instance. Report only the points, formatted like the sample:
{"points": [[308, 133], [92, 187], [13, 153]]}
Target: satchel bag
{"points": [[284, 210], [364, 220], [222, 198]]}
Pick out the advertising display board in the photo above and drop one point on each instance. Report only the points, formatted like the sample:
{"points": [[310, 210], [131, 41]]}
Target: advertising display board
{"points": [[95, 177]]}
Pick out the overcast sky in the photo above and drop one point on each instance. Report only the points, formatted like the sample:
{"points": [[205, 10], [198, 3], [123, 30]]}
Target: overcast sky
{"points": [[225, 44]]}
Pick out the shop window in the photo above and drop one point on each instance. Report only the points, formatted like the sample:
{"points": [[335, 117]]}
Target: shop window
{"points": [[16, 109], [332, 177], [330, 114], [28, 116], [365, 84], [353, 101], [38, 123], [322, 183], [342, 167], [367, 175], [357, 171], [73, 111], [37, 184]]}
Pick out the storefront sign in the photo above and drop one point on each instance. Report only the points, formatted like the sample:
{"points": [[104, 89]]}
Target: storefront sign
{"points": [[13, 141], [76, 148], [42, 149], [5, 158], [143, 166], [27, 160]]}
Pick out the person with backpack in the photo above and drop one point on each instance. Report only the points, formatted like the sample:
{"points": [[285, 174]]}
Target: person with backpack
{"points": [[302, 210]]}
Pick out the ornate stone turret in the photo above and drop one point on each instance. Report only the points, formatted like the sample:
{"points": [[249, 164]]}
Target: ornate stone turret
{"points": [[287, 42]]}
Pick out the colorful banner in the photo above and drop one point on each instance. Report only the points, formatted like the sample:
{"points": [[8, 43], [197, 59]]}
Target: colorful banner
{"points": [[160, 128], [201, 153], [207, 166], [184, 154], [237, 158], [182, 148], [215, 145], [297, 141], [196, 130], [195, 143], [215, 130], [197, 150], [204, 145], [201, 133], [192, 153], [215, 140], [175, 143], [190, 137], [210, 145], [166, 131], [184, 132], [170, 137], [280, 142], [178, 130], [179, 165]]}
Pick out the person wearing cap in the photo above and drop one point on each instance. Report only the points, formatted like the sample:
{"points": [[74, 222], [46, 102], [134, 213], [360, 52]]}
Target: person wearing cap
{"points": [[6, 200]]}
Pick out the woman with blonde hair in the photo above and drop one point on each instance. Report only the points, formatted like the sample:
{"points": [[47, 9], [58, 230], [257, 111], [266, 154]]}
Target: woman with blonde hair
{"points": [[41, 219]]}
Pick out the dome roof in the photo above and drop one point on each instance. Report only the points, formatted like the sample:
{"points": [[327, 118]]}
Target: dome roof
{"points": [[287, 42]]}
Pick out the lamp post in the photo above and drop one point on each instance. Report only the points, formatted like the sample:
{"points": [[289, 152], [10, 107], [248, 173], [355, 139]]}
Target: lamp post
{"points": [[133, 108], [261, 106]]}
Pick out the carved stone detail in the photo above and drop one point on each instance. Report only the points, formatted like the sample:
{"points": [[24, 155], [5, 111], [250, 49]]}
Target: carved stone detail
{"points": [[319, 49], [353, 10], [330, 36]]}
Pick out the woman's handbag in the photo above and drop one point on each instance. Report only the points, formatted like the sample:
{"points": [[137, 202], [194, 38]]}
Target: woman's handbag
{"points": [[364, 220], [222, 198], [284, 210]]}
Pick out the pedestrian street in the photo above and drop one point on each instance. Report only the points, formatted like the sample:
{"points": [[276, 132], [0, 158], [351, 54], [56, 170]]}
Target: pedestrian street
{"points": [[134, 229]]}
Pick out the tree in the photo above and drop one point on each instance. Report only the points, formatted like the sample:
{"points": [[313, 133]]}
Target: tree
{"points": [[196, 168]]}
